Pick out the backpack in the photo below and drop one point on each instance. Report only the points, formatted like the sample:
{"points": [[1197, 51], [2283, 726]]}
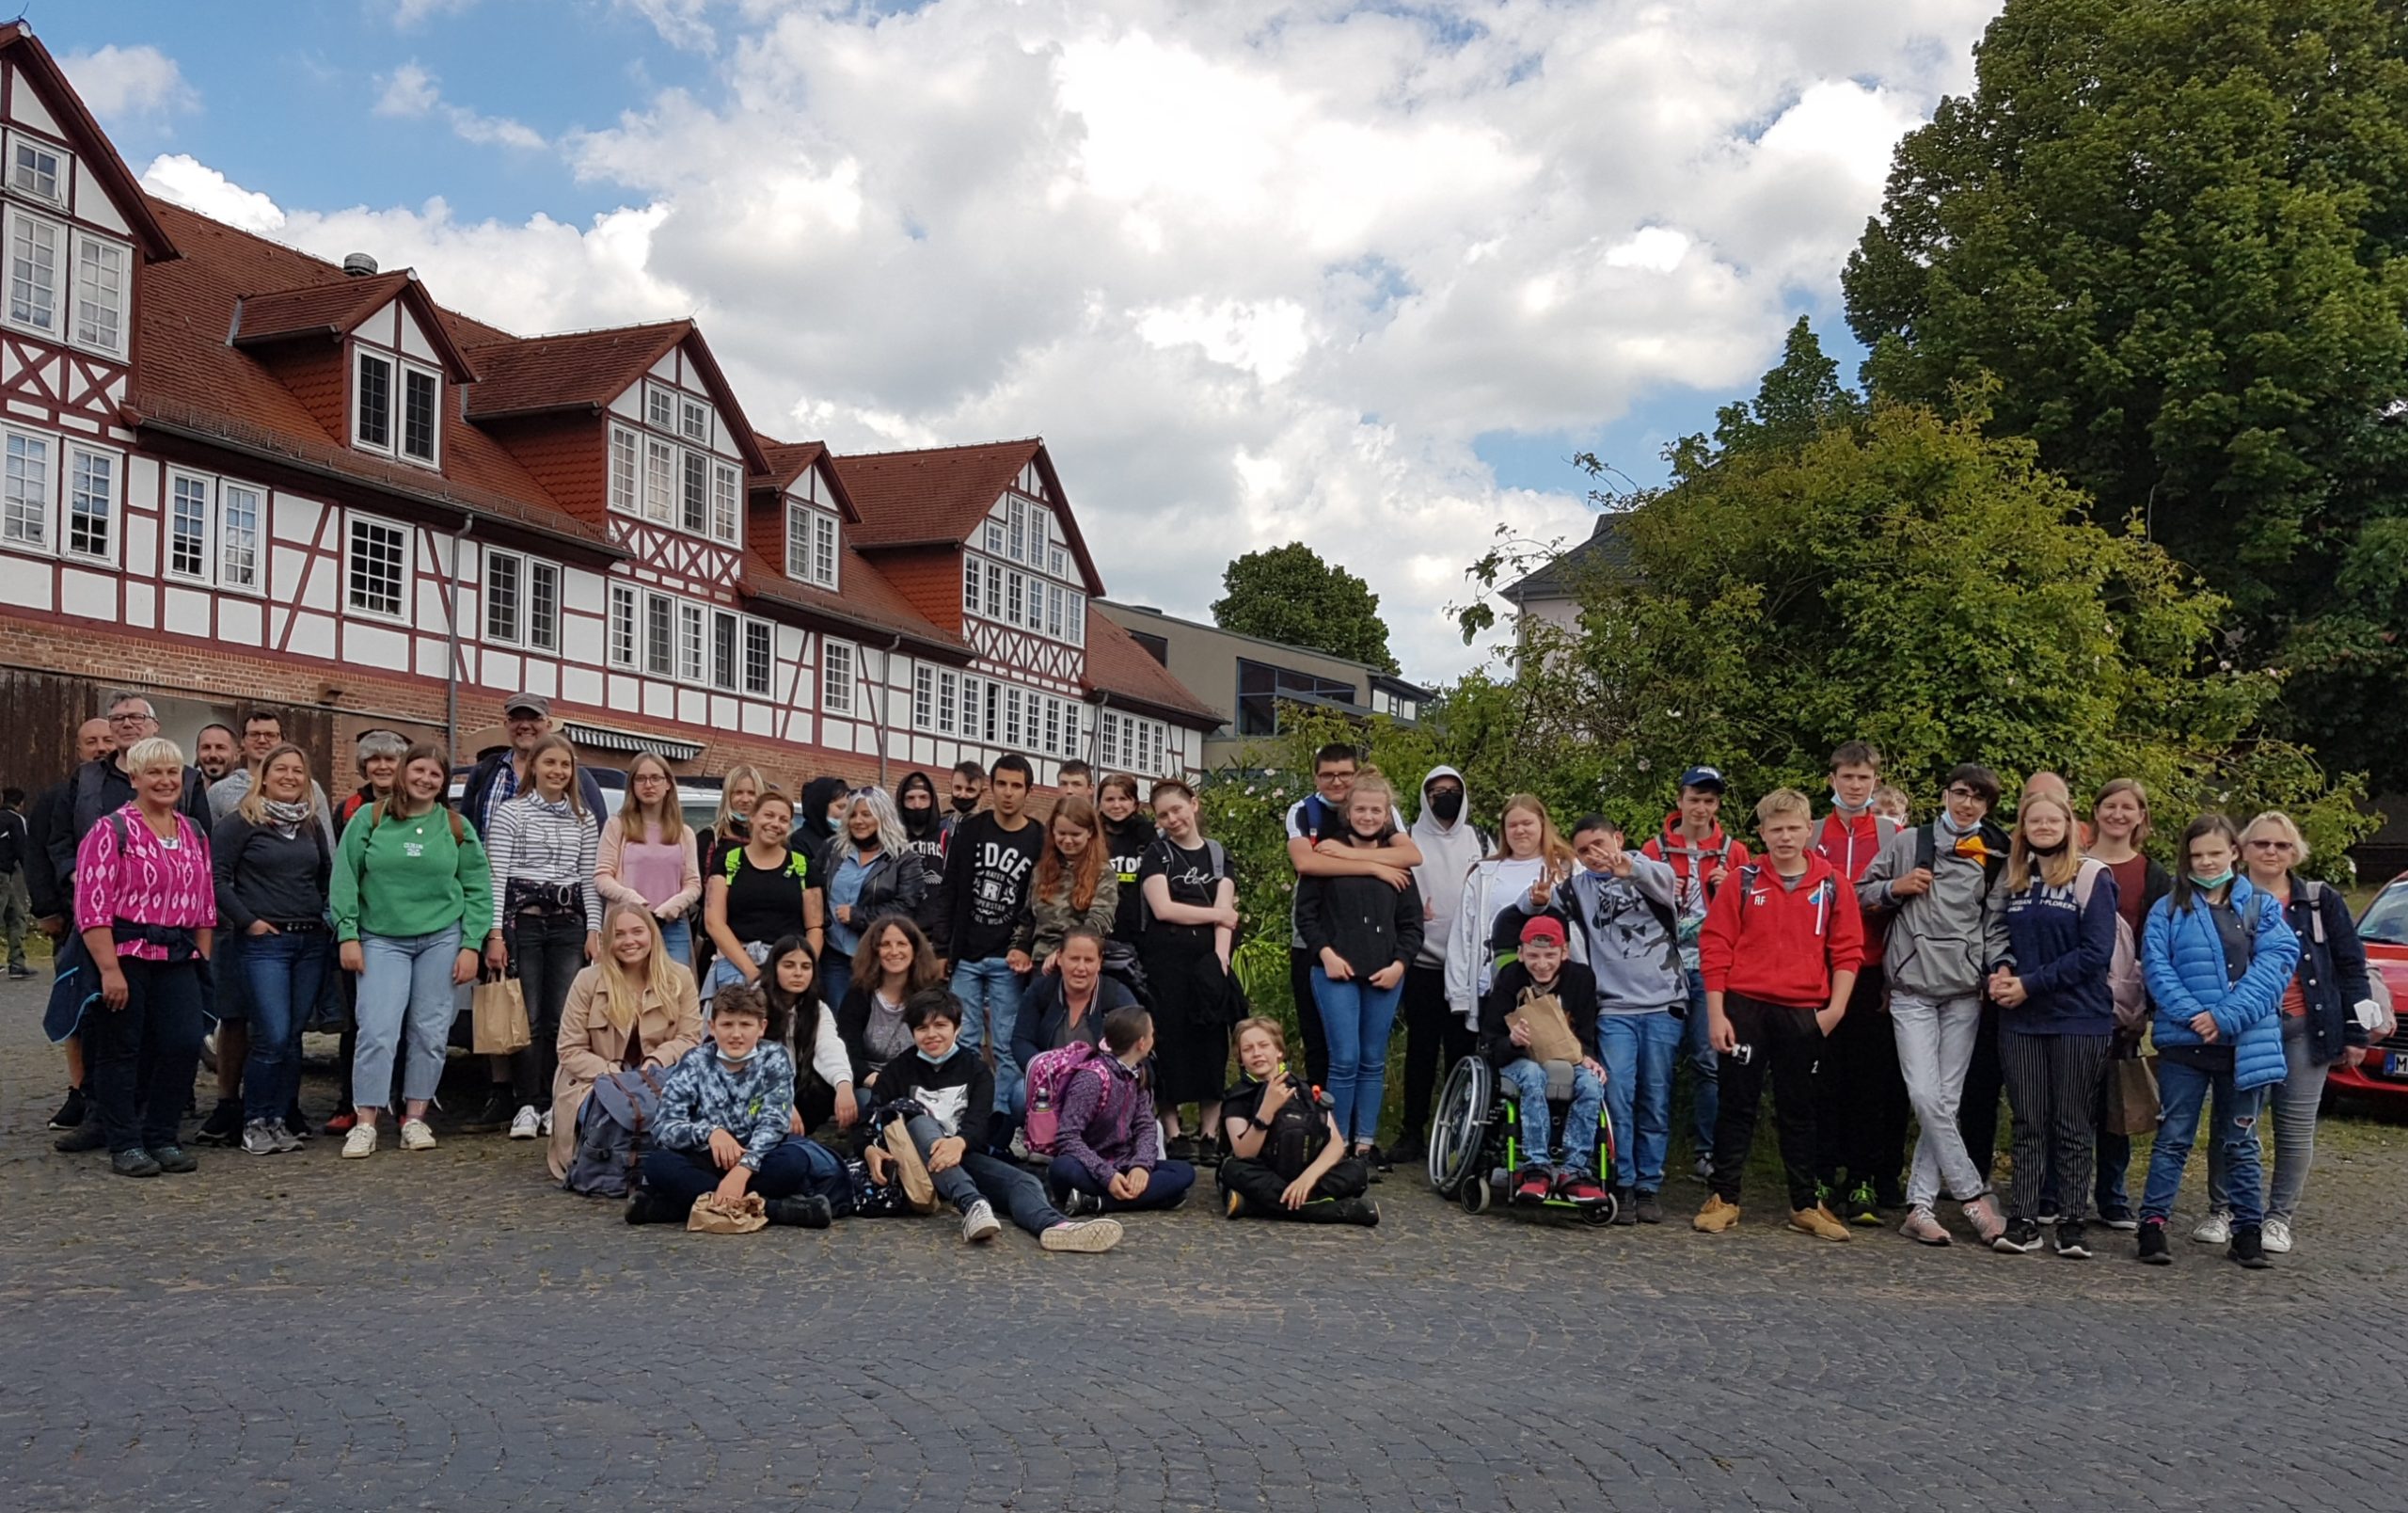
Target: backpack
{"points": [[798, 864], [613, 1129], [1297, 1133], [2124, 982], [1049, 1083], [1993, 841]]}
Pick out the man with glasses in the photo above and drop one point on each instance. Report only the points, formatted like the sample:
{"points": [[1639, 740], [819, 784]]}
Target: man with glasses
{"points": [[262, 732], [1937, 885]]}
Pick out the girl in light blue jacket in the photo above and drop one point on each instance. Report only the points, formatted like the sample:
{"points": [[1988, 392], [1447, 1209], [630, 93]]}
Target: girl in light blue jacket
{"points": [[2217, 957]]}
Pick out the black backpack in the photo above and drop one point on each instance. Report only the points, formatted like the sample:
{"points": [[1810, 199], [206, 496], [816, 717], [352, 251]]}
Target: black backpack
{"points": [[1297, 1132]]}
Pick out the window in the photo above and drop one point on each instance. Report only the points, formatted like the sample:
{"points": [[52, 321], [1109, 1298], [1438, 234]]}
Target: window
{"points": [[689, 643], [1161, 759], [970, 585], [372, 403], [1108, 740], [1054, 611], [658, 656], [188, 528], [100, 295], [33, 272], [994, 592], [238, 536], [948, 700], [757, 658], [659, 408], [1016, 515], [35, 168], [1158, 647], [1262, 686], [502, 598], [823, 549], [694, 422], [659, 463], [990, 697], [923, 698], [835, 678], [798, 541], [24, 494], [418, 390], [726, 489], [92, 502], [994, 535], [1054, 726], [811, 545], [378, 567], [697, 493], [1074, 616], [1011, 718], [543, 606], [623, 626], [1013, 584], [724, 656], [623, 470], [1057, 562]]}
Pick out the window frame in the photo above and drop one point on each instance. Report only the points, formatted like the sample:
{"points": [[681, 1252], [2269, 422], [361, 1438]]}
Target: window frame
{"points": [[659, 635], [121, 308], [727, 501], [626, 489], [948, 701], [924, 697], [694, 643], [172, 527], [222, 543], [354, 523], [730, 625], [767, 657], [433, 456], [622, 628], [62, 273], [361, 356], [44, 501], [838, 697], [62, 169], [515, 633], [114, 519]]}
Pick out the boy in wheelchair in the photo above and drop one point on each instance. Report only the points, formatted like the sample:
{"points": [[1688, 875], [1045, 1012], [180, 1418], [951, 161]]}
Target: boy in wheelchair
{"points": [[1511, 1020]]}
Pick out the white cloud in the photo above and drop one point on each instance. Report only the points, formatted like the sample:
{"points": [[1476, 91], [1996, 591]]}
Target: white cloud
{"points": [[177, 177], [411, 93], [410, 13], [123, 83], [1257, 273]]}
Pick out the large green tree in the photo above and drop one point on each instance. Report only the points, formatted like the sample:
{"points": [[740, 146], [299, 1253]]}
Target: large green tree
{"points": [[2164, 239], [1288, 594]]}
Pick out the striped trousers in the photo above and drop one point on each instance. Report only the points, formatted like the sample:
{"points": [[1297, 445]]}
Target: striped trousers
{"points": [[2053, 1086]]}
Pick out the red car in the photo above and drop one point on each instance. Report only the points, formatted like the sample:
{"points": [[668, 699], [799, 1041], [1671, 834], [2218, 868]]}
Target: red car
{"points": [[2383, 927]]}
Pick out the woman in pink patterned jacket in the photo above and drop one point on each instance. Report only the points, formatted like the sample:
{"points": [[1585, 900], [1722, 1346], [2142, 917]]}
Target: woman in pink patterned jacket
{"points": [[146, 905]]}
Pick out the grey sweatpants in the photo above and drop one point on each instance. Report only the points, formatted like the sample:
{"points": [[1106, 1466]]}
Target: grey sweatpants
{"points": [[1935, 1038], [2292, 1103]]}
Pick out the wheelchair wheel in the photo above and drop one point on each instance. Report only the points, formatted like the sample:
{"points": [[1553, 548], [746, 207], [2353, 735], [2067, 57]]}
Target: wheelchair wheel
{"points": [[1602, 1213], [1461, 1126], [1474, 1195]]}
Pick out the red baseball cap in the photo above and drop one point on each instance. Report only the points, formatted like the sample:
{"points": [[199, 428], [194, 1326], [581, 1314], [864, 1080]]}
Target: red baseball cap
{"points": [[1543, 927]]}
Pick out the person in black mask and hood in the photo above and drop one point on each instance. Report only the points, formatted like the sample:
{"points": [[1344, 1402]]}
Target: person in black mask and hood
{"points": [[925, 834], [816, 814], [1435, 1038]]}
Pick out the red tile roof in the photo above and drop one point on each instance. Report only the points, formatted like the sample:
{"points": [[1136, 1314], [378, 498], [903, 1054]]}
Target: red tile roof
{"points": [[868, 600], [99, 154], [1116, 665], [319, 310], [576, 370], [936, 497], [787, 460]]}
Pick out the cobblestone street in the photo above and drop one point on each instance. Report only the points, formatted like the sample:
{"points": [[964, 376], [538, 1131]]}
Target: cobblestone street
{"points": [[447, 1331]]}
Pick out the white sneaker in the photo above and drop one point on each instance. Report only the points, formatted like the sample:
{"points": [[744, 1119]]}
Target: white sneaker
{"points": [[527, 1124], [548, 1124], [1020, 1145], [2276, 1237], [416, 1135], [2216, 1229], [1088, 1235], [360, 1143], [978, 1222], [258, 1139]]}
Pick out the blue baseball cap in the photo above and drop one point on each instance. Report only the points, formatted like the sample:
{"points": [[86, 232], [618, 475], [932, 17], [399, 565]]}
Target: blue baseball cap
{"points": [[1703, 777]]}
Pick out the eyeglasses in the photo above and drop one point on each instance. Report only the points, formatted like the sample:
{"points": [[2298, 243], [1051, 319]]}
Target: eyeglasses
{"points": [[1961, 792], [132, 719], [2273, 845]]}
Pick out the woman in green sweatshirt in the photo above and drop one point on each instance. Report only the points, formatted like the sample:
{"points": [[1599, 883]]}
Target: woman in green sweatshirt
{"points": [[412, 902]]}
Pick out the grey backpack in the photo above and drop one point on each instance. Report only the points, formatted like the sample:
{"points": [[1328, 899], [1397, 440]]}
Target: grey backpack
{"points": [[612, 1130]]}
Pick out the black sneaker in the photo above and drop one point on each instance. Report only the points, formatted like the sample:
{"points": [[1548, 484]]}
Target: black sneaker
{"points": [[808, 1211], [642, 1209], [136, 1162], [224, 1125], [173, 1157], [1360, 1211], [2121, 1219], [2050, 1211], [2154, 1250], [88, 1136], [2249, 1248], [71, 1113], [1647, 1208], [19, 973], [1182, 1148], [2022, 1236], [499, 1108], [1378, 1161], [1076, 1204], [1625, 1206], [2071, 1243]]}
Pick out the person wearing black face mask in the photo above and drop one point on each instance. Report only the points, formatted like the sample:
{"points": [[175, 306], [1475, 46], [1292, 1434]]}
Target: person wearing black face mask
{"points": [[969, 787], [1451, 846], [926, 830]]}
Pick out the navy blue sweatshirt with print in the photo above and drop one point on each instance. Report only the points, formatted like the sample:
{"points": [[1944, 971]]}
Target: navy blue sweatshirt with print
{"points": [[2063, 952]]}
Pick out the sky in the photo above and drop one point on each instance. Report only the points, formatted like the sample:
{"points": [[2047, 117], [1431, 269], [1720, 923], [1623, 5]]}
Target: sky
{"points": [[1365, 276]]}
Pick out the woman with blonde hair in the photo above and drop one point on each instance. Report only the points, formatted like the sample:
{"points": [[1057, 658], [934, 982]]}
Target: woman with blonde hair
{"points": [[1531, 859], [647, 857], [273, 870], [543, 851], [2320, 1018], [634, 1008], [2056, 1019], [871, 873], [1363, 933]]}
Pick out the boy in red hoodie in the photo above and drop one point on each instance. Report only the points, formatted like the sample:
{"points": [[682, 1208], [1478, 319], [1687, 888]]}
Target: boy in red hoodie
{"points": [[1700, 857], [1863, 1120], [1778, 952]]}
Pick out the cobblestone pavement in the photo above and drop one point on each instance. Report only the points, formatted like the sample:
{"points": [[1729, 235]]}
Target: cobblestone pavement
{"points": [[447, 1330]]}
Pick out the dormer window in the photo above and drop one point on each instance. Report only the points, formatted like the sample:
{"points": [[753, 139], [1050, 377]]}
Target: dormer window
{"points": [[396, 408]]}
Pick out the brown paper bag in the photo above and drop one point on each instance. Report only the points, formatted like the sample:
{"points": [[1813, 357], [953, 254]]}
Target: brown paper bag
{"points": [[498, 1011], [2131, 1105], [714, 1215], [1551, 1037], [919, 1188]]}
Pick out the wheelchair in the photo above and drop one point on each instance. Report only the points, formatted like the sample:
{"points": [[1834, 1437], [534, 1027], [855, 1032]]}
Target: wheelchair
{"points": [[1476, 1142]]}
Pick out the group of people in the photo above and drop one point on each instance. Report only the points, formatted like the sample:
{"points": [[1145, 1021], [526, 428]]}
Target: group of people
{"points": [[971, 1004]]}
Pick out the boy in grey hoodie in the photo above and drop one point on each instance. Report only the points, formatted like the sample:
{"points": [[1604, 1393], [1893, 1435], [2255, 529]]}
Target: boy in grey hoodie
{"points": [[1625, 928], [1946, 926], [1435, 1038]]}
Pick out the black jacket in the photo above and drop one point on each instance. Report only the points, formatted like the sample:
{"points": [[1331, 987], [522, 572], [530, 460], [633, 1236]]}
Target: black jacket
{"points": [[2332, 968], [44, 816], [1367, 921], [100, 787], [1044, 1012], [893, 885], [1575, 988]]}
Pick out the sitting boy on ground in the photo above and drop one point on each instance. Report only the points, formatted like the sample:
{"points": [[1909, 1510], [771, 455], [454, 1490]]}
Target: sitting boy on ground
{"points": [[1543, 971], [955, 1094], [1286, 1158], [724, 1110], [1111, 1148]]}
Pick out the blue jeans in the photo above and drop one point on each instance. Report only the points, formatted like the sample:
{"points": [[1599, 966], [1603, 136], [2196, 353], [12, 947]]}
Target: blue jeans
{"points": [[835, 976], [405, 986], [2182, 1094], [1357, 1018], [990, 992], [679, 936], [1015, 1189], [1529, 1081], [1166, 1184], [1640, 1050], [281, 973], [1697, 1048]]}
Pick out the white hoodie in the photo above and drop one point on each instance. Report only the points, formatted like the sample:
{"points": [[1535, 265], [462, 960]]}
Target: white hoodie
{"points": [[1448, 851]]}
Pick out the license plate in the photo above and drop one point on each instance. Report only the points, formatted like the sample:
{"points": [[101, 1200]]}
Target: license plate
{"points": [[2395, 1065]]}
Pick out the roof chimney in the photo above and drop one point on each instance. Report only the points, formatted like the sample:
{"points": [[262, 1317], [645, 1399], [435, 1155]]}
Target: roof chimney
{"points": [[359, 265]]}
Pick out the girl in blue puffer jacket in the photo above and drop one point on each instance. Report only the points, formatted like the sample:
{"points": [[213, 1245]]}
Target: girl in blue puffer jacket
{"points": [[2217, 957]]}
